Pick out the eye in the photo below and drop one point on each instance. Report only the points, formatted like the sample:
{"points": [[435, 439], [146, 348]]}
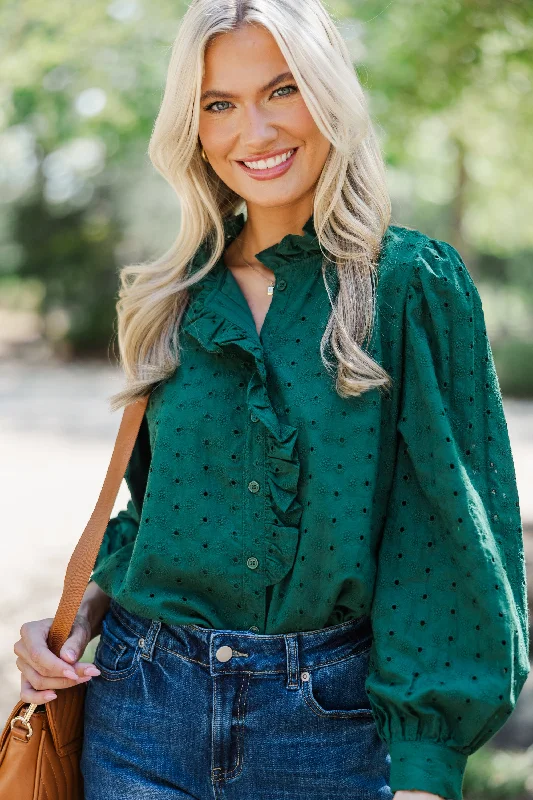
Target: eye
{"points": [[213, 110], [288, 86]]}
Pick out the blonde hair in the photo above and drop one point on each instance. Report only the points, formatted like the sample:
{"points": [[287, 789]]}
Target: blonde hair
{"points": [[351, 210]]}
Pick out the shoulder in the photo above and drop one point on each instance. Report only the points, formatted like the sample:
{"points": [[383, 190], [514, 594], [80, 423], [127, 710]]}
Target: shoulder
{"points": [[413, 265]]}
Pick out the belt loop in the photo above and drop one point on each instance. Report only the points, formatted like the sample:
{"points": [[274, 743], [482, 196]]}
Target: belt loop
{"points": [[293, 668], [147, 642]]}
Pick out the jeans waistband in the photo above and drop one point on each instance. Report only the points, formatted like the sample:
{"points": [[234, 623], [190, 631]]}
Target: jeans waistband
{"points": [[234, 651]]}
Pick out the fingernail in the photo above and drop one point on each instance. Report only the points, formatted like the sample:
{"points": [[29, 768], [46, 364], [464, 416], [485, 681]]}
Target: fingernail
{"points": [[51, 696], [92, 671], [71, 654], [69, 673]]}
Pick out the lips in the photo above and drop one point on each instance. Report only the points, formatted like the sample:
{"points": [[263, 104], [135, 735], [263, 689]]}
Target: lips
{"points": [[270, 172]]}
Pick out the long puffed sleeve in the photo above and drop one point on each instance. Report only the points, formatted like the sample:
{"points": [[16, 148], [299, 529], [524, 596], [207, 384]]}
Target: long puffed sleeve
{"points": [[449, 615], [122, 529]]}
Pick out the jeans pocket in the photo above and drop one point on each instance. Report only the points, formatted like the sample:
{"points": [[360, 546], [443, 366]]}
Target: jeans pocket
{"points": [[117, 655], [337, 689]]}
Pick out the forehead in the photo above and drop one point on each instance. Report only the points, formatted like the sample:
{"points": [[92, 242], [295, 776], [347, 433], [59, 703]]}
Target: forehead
{"points": [[242, 59]]}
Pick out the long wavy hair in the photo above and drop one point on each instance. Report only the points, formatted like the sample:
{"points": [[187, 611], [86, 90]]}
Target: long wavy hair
{"points": [[351, 207]]}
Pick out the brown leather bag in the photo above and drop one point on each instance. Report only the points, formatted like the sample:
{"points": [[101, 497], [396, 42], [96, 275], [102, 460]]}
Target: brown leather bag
{"points": [[40, 749]]}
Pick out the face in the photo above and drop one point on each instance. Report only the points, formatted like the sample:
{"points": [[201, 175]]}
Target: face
{"points": [[251, 107]]}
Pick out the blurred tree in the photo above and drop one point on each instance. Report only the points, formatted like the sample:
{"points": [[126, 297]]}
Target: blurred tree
{"points": [[450, 82], [82, 85], [73, 254]]}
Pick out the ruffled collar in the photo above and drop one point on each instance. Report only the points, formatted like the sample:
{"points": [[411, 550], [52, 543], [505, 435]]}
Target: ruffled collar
{"points": [[291, 250]]}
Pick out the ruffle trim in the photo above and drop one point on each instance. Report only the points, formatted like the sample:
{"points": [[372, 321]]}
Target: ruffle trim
{"points": [[208, 325], [280, 254], [292, 245]]}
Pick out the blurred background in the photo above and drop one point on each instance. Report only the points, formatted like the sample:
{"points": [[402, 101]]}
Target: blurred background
{"points": [[450, 86]]}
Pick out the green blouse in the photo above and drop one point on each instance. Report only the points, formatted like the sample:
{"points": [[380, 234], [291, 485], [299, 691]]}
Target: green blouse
{"points": [[261, 500]]}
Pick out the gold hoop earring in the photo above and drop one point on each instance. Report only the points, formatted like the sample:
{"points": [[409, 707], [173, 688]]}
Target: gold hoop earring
{"points": [[204, 155]]}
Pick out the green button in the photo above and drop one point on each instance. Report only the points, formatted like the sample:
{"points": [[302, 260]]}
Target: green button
{"points": [[281, 284], [253, 628], [253, 417], [253, 486], [252, 562]]}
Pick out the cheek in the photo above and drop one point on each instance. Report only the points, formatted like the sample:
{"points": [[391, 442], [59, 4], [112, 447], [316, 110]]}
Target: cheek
{"points": [[216, 137], [299, 120], [302, 128], [314, 137], [317, 146]]}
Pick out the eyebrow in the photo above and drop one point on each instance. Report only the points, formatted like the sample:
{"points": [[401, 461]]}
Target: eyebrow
{"points": [[216, 93]]}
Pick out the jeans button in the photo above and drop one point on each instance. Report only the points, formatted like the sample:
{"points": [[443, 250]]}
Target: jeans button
{"points": [[224, 653]]}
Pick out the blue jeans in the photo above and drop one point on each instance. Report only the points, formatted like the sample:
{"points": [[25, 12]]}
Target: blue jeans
{"points": [[184, 711]]}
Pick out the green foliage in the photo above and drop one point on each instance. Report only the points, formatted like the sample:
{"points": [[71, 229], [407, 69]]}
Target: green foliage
{"points": [[83, 86], [513, 358], [73, 256], [499, 775]]}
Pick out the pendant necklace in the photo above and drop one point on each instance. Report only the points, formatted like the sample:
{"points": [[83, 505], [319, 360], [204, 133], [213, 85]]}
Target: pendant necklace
{"points": [[271, 283]]}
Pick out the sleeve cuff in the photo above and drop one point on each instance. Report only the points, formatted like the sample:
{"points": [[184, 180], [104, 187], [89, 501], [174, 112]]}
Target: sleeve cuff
{"points": [[428, 767]]}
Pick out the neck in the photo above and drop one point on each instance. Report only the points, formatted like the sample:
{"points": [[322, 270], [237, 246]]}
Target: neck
{"points": [[265, 227]]}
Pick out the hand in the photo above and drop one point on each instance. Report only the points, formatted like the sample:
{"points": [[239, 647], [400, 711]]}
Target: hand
{"points": [[415, 794], [41, 670]]}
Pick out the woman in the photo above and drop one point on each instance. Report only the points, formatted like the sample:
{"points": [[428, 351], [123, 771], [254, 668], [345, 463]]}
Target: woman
{"points": [[317, 589]]}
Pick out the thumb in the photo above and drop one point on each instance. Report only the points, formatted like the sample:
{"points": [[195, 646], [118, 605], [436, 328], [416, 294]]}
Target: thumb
{"points": [[76, 643], [69, 652]]}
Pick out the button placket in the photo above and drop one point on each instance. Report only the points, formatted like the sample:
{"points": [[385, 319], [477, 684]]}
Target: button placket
{"points": [[253, 520]]}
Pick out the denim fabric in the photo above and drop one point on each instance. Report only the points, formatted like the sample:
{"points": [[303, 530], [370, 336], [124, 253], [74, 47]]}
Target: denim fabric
{"points": [[184, 711]]}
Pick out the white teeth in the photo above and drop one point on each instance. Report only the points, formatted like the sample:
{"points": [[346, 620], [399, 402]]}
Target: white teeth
{"points": [[270, 162]]}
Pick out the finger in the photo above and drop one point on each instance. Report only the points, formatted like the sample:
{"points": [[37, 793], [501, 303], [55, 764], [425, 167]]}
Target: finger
{"points": [[30, 695], [85, 668], [79, 637], [70, 671], [36, 653], [26, 627], [42, 682]]}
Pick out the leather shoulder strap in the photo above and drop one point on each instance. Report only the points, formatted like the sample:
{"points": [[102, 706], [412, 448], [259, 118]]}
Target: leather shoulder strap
{"points": [[83, 558]]}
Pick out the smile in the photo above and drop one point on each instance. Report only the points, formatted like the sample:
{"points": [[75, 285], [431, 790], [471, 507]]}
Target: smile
{"points": [[270, 167]]}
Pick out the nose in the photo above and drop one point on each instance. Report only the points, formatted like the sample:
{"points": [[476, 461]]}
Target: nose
{"points": [[257, 131]]}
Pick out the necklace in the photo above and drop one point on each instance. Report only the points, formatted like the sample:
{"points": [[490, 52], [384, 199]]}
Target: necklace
{"points": [[271, 283]]}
